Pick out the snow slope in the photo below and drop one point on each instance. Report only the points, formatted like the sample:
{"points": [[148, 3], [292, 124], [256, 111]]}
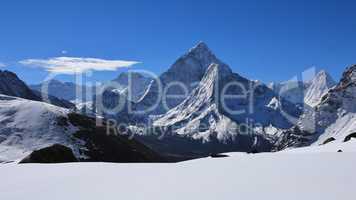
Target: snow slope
{"points": [[28, 125], [331, 147], [278, 176]]}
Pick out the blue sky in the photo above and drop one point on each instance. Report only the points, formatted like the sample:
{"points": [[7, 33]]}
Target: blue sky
{"points": [[266, 40]]}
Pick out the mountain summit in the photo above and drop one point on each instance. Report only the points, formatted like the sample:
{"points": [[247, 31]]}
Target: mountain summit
{"points": [[319, 86], [180, 79], [209, 116]]}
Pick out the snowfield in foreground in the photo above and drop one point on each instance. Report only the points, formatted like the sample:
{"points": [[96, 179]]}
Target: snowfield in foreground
{"points": [[307, 174]]}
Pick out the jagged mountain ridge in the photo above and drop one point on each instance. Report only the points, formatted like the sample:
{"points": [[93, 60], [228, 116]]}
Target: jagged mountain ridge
{"points": [[206, 106], [334, 118], [203, 123]]}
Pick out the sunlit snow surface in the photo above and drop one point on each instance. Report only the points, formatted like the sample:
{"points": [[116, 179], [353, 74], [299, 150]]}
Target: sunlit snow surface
{"points": [[306, 173], [27, 125]]}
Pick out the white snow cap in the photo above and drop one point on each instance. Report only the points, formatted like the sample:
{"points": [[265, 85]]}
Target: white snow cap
{"points": [[319, 86]]}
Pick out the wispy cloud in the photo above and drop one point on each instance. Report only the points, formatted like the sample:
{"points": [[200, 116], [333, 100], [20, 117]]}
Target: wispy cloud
{"points": [[2, 64], [72, 65]]}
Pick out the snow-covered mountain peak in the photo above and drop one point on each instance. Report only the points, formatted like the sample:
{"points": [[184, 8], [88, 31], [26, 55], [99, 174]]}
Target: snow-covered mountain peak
{"points": [[200, 47], [318, 87], [324, 76], [331, 119], [322, 73], [197, 58], [188, 70]]}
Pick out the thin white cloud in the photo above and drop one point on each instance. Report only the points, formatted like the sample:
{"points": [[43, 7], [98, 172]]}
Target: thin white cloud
{"points": [[2, 64], [72, 65]]}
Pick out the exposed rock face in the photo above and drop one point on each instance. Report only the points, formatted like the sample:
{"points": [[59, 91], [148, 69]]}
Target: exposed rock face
{"points": [[348, 137], [107, 145], [53, 154]]}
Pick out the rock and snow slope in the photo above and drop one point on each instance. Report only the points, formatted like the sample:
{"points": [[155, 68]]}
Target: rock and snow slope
{"points": [[279, 176], [27, 125], [214, 122], [206, 106], [336, 114], [333, 118]]}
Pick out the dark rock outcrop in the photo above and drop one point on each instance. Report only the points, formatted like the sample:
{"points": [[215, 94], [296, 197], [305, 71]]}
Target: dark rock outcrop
{"points": [[348, 138], [329, 140], [103, 145], [53, 154]]}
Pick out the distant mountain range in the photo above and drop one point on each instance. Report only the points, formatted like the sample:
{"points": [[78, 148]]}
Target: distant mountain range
{"points": [[64, 90], [11, 85], [309, 92], [217, 111], [31, 121]]}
